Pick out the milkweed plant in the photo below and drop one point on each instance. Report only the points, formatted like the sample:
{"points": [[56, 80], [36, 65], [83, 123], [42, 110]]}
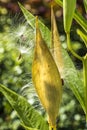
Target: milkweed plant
{"points": [[50, 60]]}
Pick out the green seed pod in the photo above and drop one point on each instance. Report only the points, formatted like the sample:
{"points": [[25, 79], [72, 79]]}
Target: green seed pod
{"points": [[46, 78], [68, 13]]}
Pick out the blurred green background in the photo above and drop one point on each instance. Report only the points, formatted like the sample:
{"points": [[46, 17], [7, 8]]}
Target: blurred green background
{"points": [[16, 45]]}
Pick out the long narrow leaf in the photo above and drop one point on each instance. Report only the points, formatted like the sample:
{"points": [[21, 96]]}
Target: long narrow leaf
{"points": [[29, 116], [77, 16], [31, 20], [69, 7]]}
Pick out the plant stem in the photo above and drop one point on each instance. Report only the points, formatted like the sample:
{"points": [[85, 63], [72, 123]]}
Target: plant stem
{"points": [[85, 80], [70, 48]]}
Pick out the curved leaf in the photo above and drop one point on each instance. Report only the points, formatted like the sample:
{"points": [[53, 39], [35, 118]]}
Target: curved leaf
{"points": [[31, 20], [29, 116]]}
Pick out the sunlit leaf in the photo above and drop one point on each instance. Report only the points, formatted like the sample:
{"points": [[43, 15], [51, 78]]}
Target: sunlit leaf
{"points": [[29, 116]]}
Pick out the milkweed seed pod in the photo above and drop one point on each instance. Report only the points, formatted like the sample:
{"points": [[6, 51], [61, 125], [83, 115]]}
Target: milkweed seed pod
{"points": [[56, 44], [68, 13], [46, 78]]}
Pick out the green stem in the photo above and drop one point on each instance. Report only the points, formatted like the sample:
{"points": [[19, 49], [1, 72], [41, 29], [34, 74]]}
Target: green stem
{"points": [[85, 80], [70, 48]]}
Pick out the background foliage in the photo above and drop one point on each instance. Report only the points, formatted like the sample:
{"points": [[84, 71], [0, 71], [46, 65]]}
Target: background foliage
{"points": [[16, 73]]}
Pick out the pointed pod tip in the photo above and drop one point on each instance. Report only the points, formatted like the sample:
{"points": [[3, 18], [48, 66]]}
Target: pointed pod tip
{"points": [[36, 18], [38, 33], [52, 6], [52, 3], [36, 22]]}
